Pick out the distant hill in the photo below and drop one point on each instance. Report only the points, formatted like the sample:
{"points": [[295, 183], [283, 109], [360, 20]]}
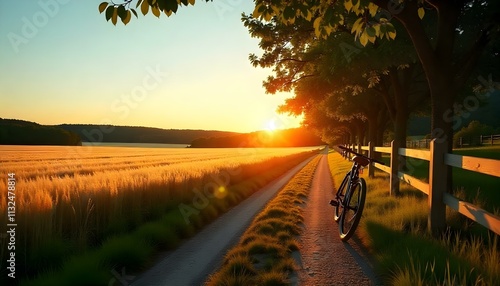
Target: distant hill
{"points": [[20, 132], [133, 134], [296, 137]]}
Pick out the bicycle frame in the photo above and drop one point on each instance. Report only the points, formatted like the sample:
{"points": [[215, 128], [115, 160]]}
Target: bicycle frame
{"points": [[353, 179]]}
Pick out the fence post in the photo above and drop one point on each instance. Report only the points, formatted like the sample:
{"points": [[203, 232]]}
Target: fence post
{"points": [[394, 179], [438, 178], [359, 147], [371, 154]]}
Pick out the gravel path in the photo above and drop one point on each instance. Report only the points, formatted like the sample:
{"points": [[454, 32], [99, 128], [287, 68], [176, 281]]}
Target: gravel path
{"points": [[194, 260], [324, 258]]}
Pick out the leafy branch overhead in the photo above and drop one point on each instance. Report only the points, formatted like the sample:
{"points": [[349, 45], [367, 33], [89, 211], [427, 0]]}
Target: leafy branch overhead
{"points": [[124, 10], [371, 22]]}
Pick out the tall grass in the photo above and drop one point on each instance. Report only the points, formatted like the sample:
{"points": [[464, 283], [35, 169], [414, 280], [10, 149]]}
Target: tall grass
{"points": [[394, 229], [263, 255], [62, 210]]}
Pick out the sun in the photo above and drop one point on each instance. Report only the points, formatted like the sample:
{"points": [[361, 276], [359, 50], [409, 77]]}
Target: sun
{"points": [[271, 125]]}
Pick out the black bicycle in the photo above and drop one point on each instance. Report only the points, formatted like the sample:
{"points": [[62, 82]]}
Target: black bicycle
{"points": [[351, 195]]}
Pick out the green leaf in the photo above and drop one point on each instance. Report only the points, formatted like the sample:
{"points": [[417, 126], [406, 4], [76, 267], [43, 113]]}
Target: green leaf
{"points": [[138, 3], [162, 5], [371, 31], [184, 2], [327, 16], [383, 29], [122, 12], [364, 3], [144, 7], [103, 6], [288, 13], [109, 12], [303, 11], [390, 28], [135, 12], [172, 5]]}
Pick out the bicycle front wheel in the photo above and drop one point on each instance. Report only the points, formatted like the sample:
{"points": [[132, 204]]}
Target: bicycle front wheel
{"points": [[340, 197], [353, 209]]}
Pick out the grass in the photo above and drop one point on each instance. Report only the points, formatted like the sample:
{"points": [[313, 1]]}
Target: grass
{"points": [[263, 255], [394, 229], [61, 217]]}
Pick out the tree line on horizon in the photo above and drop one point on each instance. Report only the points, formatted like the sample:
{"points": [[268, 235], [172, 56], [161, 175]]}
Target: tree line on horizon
{"points": [[20, 132]]}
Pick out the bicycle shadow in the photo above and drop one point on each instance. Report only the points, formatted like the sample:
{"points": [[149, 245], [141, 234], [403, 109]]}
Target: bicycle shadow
{"points": [[362, 257]]}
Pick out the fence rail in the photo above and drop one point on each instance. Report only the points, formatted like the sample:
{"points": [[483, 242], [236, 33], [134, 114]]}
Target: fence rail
{"points": [[438, 198]]}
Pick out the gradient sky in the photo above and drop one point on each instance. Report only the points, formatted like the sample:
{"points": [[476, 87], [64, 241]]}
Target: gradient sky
{"points": [[61, 62]]}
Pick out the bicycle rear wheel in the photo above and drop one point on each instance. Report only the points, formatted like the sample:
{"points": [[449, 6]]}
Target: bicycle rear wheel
{"points": [[340, 195], [353, 209]]}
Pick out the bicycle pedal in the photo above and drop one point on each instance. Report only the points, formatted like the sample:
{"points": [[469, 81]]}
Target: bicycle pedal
{"points": [[334, 203]]}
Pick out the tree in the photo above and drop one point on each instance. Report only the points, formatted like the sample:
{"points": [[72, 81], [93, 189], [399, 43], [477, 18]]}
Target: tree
{"points": [[445, 65], [297, 55]]}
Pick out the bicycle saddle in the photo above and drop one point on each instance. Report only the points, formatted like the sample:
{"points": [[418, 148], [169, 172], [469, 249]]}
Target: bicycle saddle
{"points": [[361, 160]]}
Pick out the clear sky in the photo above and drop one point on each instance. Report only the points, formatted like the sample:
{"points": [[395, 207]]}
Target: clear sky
{"points": [[61, 62]]}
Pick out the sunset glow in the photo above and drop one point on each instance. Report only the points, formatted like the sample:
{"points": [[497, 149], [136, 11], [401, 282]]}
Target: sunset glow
{"points": [[190, 71]]}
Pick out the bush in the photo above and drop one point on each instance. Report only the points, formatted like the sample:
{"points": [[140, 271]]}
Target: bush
{"points": [[471, 134]]}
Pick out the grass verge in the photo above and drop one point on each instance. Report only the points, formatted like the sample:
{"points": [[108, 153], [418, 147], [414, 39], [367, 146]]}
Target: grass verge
{"points": [[134, 250], [263, 255], [394, 230]]}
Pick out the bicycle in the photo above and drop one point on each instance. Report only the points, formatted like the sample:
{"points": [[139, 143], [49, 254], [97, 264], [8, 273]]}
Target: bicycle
{"points": [[351, 195]]}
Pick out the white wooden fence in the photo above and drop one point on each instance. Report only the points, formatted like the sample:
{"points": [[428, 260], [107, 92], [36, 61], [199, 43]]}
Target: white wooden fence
{"points": [[438, 198]]}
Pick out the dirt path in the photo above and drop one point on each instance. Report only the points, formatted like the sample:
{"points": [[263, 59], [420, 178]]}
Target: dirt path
{"points": [[324, 258], [193, 261]]}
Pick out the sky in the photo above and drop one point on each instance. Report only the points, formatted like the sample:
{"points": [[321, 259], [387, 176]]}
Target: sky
{"points": [[61, 62]]}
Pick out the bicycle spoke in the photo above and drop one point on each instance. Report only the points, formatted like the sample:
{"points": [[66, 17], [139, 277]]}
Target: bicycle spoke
{"points": [[353, 208]]}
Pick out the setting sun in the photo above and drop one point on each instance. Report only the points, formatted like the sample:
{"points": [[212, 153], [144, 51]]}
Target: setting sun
{"points": [[271, 125]]}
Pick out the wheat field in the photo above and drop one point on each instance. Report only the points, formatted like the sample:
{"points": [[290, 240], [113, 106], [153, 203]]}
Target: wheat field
{"points": [[81, 195]]}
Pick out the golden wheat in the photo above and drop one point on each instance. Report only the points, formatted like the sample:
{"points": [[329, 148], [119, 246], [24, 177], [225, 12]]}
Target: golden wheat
{"points": [[81, 194]]}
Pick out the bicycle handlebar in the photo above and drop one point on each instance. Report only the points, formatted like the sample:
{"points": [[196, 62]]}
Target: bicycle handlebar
{"points": [[357, 154]]}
